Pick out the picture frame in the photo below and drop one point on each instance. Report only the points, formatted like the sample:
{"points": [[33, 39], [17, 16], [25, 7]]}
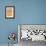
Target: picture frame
{"points": [[9, 12]]}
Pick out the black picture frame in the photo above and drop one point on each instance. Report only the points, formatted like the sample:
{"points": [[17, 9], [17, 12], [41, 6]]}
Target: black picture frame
{"points": [[13, 12]]}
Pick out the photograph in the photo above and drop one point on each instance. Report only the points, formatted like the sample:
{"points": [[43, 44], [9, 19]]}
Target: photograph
{"points": [[10, 12]]}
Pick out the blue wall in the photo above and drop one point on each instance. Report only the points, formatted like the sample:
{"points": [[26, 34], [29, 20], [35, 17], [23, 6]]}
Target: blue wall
{"points": [[27, 12], [31, 11]]}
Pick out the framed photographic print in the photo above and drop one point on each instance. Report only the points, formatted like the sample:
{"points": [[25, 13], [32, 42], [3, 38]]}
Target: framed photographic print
{"points": [[10, 12]]}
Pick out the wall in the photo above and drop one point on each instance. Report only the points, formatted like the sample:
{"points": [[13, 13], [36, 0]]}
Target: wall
{"points": [[27, 12], [6, 25], [31, 11]]}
